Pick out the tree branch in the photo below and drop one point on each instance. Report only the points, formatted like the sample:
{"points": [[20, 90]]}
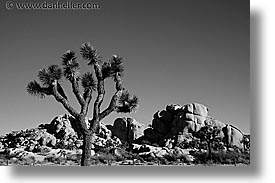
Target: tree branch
{"points": [[63, 101], [100, 91], [88, 99], [76, 91], [111, 107], [113, 102]]}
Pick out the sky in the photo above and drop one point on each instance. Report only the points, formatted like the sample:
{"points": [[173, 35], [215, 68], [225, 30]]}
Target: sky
{"points": [[179, 51]]}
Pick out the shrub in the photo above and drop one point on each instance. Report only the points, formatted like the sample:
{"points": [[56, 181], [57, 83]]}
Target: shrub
{"points": [[222, 157]]}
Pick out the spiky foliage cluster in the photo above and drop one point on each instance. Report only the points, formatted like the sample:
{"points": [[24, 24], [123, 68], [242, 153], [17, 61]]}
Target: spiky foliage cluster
{"points": [[49, 75], [127, 102], [106, 70], [117, 65], [88, 83], [89, 53], [113, 66], [70, 65], [33, 88]]}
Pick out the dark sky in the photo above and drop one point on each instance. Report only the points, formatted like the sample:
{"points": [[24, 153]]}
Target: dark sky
{"points": [[175, 52]]}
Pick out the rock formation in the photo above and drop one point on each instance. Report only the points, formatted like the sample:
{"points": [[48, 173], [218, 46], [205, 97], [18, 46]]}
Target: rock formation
{"points": [[172, 133], [176, 123], [127, 129], [60, 135]]}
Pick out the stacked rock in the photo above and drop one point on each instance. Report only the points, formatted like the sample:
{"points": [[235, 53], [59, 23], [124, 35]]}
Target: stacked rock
{"points": [[176, 121], [127, 129]]}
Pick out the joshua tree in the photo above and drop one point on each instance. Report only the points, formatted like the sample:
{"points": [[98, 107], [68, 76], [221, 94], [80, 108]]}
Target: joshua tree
{"points": [[91, 82], [209, 134]]}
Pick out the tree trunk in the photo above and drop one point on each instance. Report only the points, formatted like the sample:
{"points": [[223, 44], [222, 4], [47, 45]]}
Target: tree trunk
{"points": [[86, 148], [209, 150]]}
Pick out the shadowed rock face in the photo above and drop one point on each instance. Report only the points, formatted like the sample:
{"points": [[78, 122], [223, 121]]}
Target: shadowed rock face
{"points": [[190, 119], [177, 119], [127, 129]]}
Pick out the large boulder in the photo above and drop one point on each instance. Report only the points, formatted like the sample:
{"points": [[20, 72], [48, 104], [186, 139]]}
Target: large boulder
{"points": [[196, 109], [164, 116], [61, 127], [120, 128], [136, 130], [161, 126], [127, 129], [153, 135], [233, 136], [175, 120], [191, 119]]}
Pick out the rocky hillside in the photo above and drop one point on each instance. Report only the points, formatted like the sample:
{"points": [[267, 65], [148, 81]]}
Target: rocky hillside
{"points": [[175, 134]]}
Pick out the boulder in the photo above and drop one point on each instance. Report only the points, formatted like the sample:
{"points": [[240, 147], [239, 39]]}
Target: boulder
{"points": [[61, 127], [177, 119], [164, 116], [127, 129], [136, 130], [233, 136], [195, 108], [173, 108], [161, 126], [120, 128], [161, 152], [153, 135], [213, 122], [191, 119]]}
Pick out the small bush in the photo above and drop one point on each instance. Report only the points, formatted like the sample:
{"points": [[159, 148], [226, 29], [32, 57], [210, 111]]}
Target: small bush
{"points": [[222, 157]]}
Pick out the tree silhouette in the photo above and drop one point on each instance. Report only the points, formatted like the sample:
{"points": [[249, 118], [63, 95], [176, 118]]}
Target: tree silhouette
{"points": [[91, 82], [210, 135]]}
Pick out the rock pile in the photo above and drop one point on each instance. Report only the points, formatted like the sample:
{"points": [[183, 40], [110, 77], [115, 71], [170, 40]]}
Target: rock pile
{"points": [[172, 133], [177, 123], [28, 139], [62, 133]]}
